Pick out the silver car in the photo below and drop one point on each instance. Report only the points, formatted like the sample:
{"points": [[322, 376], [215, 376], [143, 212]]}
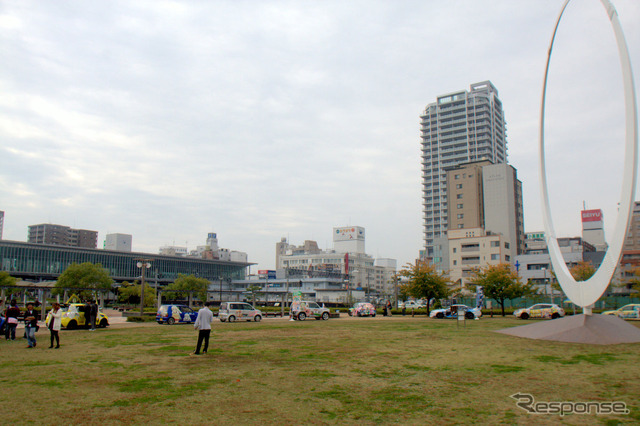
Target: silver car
{"points": [[238, 311]]}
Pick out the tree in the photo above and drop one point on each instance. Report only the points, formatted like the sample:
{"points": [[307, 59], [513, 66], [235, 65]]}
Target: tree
{"points": [[582, 271], [423, 281], [86, 278], [189, 284], [8, 280], [254, 289], [130, 293], [500, 283]]}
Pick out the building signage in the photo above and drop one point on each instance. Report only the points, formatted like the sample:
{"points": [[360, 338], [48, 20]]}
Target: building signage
{"points": [[592, 215], [348, 234]]}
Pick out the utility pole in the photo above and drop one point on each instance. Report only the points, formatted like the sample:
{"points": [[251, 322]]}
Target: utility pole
{"points": [[143, 264]]}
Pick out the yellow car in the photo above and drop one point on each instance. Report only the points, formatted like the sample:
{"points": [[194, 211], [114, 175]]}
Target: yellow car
{"points": [[73, 316], [631, 311]]}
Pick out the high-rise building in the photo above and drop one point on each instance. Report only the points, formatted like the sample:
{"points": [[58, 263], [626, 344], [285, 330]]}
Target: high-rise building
{"points": [[1, 223], [488, 196], [47, 233], [459, 127]]}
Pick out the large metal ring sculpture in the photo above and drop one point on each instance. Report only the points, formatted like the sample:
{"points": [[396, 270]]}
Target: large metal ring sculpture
{"points": [[586, 293]]}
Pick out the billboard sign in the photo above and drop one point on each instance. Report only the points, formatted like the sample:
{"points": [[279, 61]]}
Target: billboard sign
{"points": [[592, 215], [349, 233]]}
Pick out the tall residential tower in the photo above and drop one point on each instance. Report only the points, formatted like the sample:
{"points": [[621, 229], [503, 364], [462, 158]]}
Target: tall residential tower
{"points": [[459, 127]]}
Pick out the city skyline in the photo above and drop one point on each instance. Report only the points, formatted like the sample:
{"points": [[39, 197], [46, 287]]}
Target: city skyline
{"points": [[258, 121]]}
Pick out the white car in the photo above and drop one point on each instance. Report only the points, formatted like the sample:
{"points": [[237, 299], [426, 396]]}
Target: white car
{"points": [[411, 304], [540, 310], [301, 310], [238, 311], [453, 310]]}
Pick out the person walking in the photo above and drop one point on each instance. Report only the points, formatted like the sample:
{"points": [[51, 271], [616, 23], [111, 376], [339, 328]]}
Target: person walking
{"points": [[203, 325], [55, 321], [389, 308], [93, 314], [30, 325], [11, 316]]}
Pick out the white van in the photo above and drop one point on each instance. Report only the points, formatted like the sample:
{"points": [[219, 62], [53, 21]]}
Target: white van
{"points": [[238, 311]]}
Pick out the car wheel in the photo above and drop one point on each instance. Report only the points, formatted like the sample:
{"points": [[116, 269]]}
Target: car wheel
{"points": [[555, 315], [301, 316], [440, 315], [524, 316], [160, 322], [171, 321], [104, 323], [231, 318], [325, 316], [72, 325], [257, 318], [222, 320], [469, 315]]}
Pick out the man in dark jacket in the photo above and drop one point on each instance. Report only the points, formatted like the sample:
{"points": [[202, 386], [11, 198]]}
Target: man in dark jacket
{"points": [[93, 314], [30, 325]]}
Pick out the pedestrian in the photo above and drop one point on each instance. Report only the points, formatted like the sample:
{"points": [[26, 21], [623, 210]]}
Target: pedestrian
{"points": [[11, 315], [55, 318], [404, 310], [388, 307], [30, 325], [203, 325], [87, 313], [93, 314]]}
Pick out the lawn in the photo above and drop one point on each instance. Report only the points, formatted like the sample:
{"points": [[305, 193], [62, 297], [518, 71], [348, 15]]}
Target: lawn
{"points": [[349, 370]]}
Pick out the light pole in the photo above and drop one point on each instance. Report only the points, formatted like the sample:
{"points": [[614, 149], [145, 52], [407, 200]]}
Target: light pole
{"points": [[143, 264]]}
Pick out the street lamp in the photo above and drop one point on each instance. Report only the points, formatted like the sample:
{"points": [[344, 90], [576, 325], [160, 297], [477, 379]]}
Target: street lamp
{"points": [[143, 264]]}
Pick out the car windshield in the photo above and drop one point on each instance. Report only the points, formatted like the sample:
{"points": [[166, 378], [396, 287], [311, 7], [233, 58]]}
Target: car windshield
{"points": [[313, 305], [185, 309], [627, 308]]}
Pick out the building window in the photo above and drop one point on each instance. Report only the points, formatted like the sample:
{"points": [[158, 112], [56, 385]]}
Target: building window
{"points": [[460, 216], [460, 206], [456, 177], [460, 226], [454, 249], [459, 196], [495, 243], [495, 257], [455, 262], [506, 245], [459, 186]]}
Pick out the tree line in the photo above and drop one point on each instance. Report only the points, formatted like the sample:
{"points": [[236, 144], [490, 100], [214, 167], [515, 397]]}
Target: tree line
{"points": [[499, 282]]}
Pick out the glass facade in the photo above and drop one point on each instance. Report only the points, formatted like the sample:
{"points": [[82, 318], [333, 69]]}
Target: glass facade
{"points": [[47, 262]]}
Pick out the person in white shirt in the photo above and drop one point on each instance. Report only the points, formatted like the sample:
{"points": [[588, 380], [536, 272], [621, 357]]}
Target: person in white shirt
{"points": [[203, 324]]}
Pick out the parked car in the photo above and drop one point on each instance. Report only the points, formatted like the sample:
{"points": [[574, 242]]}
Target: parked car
{"points": [[171, 314], [453, 310], [631, 311], [301, 310], [238, 311], [362, 309], [73, 316], [540, 310], [412, 304]]}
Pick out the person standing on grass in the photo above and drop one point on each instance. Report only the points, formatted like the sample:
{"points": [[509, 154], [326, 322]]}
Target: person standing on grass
{"points": [[93, 314], [55, 321], [30, 325], [203, 325], [11, 315]]}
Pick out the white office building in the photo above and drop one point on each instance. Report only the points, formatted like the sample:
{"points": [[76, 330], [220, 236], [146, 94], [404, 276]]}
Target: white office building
{"points": [[118, 242]]}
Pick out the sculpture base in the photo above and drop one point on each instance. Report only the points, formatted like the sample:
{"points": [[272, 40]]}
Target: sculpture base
{"points": [[590, 329]]}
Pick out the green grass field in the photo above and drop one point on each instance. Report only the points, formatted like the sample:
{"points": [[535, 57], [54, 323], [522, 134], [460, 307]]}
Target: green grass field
{"points": [[398, 370]]}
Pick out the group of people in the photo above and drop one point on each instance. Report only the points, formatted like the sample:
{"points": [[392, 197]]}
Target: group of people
{"points": [[91, 313], [30, 319]]}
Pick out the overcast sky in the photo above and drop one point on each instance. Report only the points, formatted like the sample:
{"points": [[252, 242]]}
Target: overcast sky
{"points": [[267, 119]]}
